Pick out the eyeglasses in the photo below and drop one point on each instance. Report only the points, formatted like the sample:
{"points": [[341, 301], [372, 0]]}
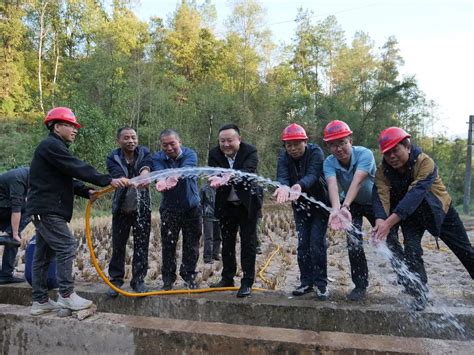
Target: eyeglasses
{"points": [[336, 145]]}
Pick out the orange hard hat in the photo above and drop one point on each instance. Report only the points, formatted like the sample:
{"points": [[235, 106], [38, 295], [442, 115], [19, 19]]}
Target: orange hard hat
{"points": [[293, 132], [61, 114], [336, 130], [390, 137]]}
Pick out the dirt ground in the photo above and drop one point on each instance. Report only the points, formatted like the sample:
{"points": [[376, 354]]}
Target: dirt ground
{"points": [[447, 277]]}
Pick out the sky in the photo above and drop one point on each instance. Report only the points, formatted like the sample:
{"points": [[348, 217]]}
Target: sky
{"points": [[436, 41]]}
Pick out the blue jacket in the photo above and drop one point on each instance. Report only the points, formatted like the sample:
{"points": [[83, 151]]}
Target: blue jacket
{"points": [[404, 193], [117, 168], [310, 174], [185, 195]]}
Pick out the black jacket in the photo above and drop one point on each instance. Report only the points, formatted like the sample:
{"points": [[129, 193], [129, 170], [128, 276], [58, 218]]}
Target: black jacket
{"points": [[52, 184], [13, 189], [309, 175], [246, 160], [117, 167]]}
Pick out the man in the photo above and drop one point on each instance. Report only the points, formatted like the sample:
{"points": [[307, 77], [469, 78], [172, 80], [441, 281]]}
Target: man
{"points": [[52, 186], [409, 194], [300, 169], [130, 209], [210, 224], [13, 191], [179, 210], [238, 203], [353, 169]]}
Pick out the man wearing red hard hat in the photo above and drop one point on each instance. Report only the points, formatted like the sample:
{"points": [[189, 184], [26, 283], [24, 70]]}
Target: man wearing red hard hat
{"points": [[52, 186], [300, 169], [409, 194], [352, 168]]}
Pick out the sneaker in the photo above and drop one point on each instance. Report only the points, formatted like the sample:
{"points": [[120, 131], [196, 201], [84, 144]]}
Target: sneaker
{"points": [[303, 289], [38, 308], [357, 294], [11, 280], [322, 293], [112, 293], [74, 302], [258, 250]]}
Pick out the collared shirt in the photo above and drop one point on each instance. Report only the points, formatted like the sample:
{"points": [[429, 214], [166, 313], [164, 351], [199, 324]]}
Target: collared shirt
{"points": [[362, 159], [232, 195]]}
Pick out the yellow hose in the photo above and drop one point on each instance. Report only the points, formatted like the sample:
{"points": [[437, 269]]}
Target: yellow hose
{"points": [[134, 294]]}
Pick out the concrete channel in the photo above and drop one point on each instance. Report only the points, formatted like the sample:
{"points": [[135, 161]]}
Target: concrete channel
{"points": [[268, 322]]}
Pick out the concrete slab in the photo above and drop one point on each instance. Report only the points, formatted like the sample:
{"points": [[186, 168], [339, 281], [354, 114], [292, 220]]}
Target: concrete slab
{"points": [[107, 333], [270, 309]]}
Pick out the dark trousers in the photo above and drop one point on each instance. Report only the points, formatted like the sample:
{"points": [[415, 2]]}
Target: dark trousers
{"points": [[53, 237], [212, 238], [9, 253], [355, 244], [140, 223], [236, 218], [452, 233], [190, 224], [311, 226]]}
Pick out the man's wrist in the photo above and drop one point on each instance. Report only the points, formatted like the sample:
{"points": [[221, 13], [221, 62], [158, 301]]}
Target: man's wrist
{"points": [[346, 206]]}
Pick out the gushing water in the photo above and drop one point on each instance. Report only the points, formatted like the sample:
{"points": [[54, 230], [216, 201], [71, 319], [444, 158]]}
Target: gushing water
{"points": [[249, 179]]}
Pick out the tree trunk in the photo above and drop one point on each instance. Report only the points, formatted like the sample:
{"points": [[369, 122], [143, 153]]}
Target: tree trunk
{"points": [[40, 52]]}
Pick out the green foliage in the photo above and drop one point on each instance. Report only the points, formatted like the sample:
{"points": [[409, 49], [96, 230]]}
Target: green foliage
{"points": [[113, 70]]}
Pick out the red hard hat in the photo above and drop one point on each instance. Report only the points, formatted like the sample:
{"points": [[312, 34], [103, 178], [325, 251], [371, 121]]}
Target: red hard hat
{"points": [[336, 130], [61, 114], [390, 137], [293, 132]]}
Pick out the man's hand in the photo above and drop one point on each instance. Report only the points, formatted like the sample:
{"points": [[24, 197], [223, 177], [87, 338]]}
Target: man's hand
{"points": [[282, 194], [92, 195], [166, 183], [380, 231], [295, 192], [218, 181], [340, 219], [17, 237], [120, 182], [145, 182]]}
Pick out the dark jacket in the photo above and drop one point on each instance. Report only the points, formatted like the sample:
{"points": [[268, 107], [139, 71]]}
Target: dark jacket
{"points": [[309, 175], [53, 174], [117, 167], [404, 193], [248, 192], [185, 194], [14, 188]]}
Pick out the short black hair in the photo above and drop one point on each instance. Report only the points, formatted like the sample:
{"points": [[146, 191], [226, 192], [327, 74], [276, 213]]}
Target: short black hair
{"points": [[169, 132], [121, 129], [230, 126]]}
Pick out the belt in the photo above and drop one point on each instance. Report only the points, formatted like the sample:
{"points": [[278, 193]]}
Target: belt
{"points": [[36, 217]]}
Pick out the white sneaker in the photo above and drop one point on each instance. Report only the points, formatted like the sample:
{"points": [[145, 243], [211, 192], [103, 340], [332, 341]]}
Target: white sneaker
{"points": [[38, 308], [322, 293], [74, 302]]}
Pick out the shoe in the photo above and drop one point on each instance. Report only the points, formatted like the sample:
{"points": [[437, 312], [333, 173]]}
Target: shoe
{"points": [[244, 291], [322, 293], [140, 288], [191, 284], [357, 294], [11, 280], [419, 303], [38, 308], [74, 302], [167, 286], [9, 241], [258, 250], [303, 289], [222, 283], [112, 293], [216, 257], [208, 261]]}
